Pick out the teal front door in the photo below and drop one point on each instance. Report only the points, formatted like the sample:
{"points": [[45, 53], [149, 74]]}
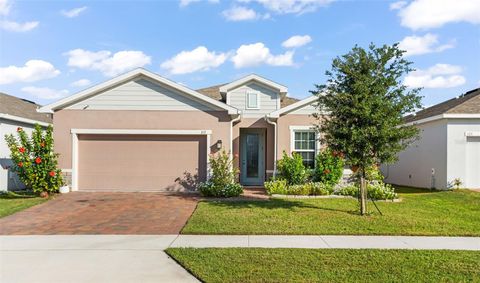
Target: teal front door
{"points": [[252, 157]]}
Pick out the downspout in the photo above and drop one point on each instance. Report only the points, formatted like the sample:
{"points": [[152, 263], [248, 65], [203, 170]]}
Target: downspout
{"points": [[274, 144]]}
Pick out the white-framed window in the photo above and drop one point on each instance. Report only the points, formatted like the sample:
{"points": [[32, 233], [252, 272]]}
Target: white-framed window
{"points": [[253, 100], [304, 141]]}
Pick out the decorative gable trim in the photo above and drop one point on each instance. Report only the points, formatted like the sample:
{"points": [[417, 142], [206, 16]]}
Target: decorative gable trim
{"points": [[292, 107], [50, 108]]}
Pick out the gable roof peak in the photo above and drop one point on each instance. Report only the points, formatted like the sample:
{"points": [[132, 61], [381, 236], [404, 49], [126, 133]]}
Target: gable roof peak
{"points": [[281, 88], [129, 76]]}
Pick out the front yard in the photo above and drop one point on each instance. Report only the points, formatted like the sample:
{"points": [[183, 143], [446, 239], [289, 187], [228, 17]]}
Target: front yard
{"points": [[304, 265], [14, 202], [452, 213]]}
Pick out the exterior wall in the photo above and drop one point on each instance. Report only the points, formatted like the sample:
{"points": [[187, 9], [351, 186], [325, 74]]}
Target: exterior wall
{"points": [[284, 133], [141, 94], [269, 99], [269, 145], [463, 156], [65, 120], [415, 164], [8, 179]]}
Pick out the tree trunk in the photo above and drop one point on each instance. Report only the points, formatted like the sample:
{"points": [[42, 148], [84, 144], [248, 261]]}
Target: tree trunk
{"points": [[363, 193]]}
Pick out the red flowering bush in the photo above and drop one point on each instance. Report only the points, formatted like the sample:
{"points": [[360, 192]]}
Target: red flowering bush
{"points": [[328, 167], [36, 162]]}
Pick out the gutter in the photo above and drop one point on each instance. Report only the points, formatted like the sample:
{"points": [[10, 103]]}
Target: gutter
{"points": [[23, 120], [267, 119]]}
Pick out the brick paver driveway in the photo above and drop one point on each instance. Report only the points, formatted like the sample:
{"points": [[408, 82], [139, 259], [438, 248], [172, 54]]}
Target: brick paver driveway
{"points": [[103, 213]]}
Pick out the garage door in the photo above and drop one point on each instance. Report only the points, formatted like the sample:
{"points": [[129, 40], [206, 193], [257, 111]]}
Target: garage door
{"points": [[140, 162], [473, 164]]}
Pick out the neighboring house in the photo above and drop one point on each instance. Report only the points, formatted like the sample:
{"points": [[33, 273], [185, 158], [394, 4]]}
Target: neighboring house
{"points": [[448, 148], [140, 131], [16, 112]]}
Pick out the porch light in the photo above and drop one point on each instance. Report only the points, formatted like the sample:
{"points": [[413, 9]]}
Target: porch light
{"points": [[219, 144]]}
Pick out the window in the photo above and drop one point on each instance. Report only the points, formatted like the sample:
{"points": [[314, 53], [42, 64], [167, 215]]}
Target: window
{"points": [[304, 143], [252, 100]]}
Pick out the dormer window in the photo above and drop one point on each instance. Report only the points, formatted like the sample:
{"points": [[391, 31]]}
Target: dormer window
{"points": [[253, 100]]}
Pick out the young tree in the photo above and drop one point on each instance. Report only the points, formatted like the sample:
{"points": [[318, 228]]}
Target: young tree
{"points": [[361, 108]]}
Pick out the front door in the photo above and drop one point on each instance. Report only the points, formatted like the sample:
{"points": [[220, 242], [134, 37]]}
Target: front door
{"points": [[252, 150]]}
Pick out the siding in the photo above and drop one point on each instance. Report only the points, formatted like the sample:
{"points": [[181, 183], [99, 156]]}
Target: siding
{"points": [[268, 99], [305, 110], [414, 165], [141, 94]]}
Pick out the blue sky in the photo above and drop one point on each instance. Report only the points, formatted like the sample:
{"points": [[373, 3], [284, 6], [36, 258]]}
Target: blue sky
{"points": [[51, 49]]}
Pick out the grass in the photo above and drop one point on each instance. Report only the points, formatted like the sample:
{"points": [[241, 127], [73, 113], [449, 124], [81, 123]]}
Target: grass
{"points": [[421, 212], [310, 265], [13, 202]]}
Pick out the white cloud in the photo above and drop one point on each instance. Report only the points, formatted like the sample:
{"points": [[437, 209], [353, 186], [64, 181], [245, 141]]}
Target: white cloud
{"points": [[80, 83], [236, 14], [297, 41], [425, 14], [33, 70], [198, 59], [18, 27], [255, 54], [106, 62], [398, 5], [45, 92], [437, 76], [417, 45], [4, 7], [291, 6], [73, 12], [184, 3]]}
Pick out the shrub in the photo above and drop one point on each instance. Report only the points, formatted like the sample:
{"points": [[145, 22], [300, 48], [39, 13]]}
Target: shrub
{"points": [[376, 190], [291, 169], [208, 189], [350, 190], [380, 190], [35, 160], [301, 190], [223, 181], [321, 189], [276, 187], [328, 167]]}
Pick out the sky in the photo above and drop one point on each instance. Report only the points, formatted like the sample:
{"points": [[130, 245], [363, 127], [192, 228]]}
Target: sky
{"points": [[52, 49]]}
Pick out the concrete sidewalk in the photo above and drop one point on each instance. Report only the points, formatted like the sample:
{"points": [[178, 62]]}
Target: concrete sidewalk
{"points": [[89, 258], [137, 258], [329, 242]]}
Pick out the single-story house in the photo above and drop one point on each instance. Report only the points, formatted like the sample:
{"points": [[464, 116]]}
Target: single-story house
{"points": [[140, 131], [448, 148], [16, 112]]}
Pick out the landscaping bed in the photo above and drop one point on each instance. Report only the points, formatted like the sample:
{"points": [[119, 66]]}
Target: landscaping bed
{"points": [[13, 202], [421, 212], [332, 265]]}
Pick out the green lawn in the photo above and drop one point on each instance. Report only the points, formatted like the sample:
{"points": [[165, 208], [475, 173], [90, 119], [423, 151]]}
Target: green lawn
{"points": [[419, 213], [304, 265], [13, 202]]}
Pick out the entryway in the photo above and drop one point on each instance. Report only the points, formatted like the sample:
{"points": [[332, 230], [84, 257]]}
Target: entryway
{"points": [[252, 157]]}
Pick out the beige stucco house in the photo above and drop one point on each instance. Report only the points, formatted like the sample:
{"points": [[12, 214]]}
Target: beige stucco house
{"points": [[140, 131]]}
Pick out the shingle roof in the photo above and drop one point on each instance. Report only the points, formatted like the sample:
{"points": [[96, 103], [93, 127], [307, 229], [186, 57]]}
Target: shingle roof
{"points": [[468, 103], [214, 92], [19, 107]]}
